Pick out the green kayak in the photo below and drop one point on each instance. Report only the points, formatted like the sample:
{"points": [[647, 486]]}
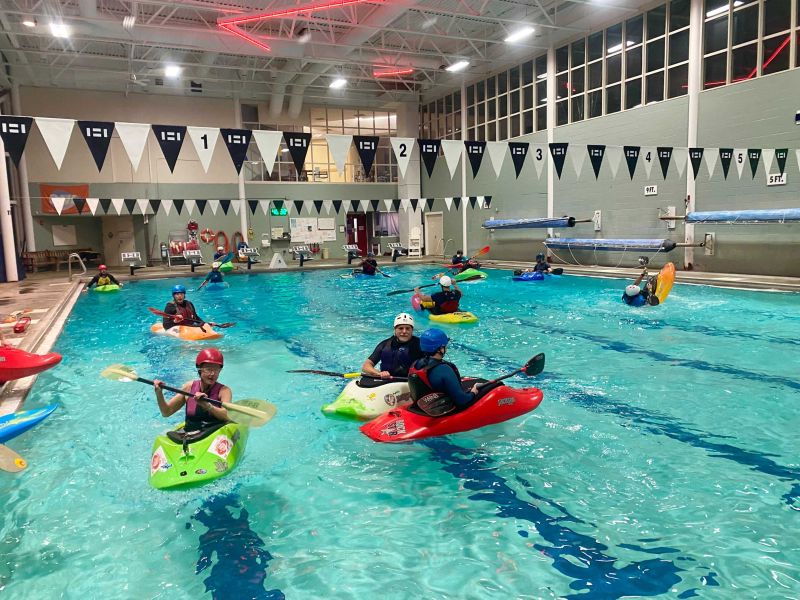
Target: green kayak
{"points": [[226, 267], [111, 287], [181, 459], [470, 274]]}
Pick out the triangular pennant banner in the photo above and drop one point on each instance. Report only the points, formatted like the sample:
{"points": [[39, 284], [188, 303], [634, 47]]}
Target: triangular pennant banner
{"points": [[264, 206], [429, 203], [497, 155], [167, 204], [337, 206], [452, 154], [457, 202], [214, 206], [559, 153], [155, 205], [328, 206], [367, 147], [237, 206], [473, 200], [578, 158], [143, 204], [429, 150], [58, 203], [119, 204], [170, 140], [768, 154], [298, 206], [396, 205], [781, 154], [98, 137], [738, 157], [631, 158], [56, 134], [475, 152], [278, 204], [388, 204], [725, 157], [92, 203], [201, 206], [664, 157], [649, 157], [711, 160], [190, 206], [80, 204], [695, 157], [363, 205], [596, 154], [318, 205], [415, 202], [253, 205], [15, 132], [679, 157], [134, 138], [403, 147], [487, 202], [130, 205], [178, 205], [105, 204], [405, 204], [298, 143], [237, 141], [754, 156], [204, 140], [448, 202], [614, 158], [375, 204], [518, 150], [339, 146], [268, 143], [226, 206]]}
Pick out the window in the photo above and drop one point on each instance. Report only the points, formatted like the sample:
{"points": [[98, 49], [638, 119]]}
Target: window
{"points": [[633, 30], [613, 99], [562, 59], [596, 46], [633, 62], [656, 20], [715, 70], [578, 52], [745, 25], [655, 87], [715, 35], [678, 14], [678, 81], [679, 47], [633, 93]]}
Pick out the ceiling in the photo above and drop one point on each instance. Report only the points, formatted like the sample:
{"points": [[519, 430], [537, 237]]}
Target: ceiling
{"points": [[257, 50]]}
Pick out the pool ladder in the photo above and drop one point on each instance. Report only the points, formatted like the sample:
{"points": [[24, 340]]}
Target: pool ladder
{"points": [[444, 248], [80, 261]]}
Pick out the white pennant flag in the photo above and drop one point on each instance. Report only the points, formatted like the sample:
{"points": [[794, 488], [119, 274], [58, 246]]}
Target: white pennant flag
{"points": [[388, 204], [539, 158], [614, 158], [405, 204], [578, 155], [56, 134], [448, 202], [134, 138], [236, 205], [364, 204], [167, 204], [648, 156], [58, 203], [402, 152], [214, 206], [711, 155], [118, 204], [190, 206], [768, 154], [327, 205], [797, 155], [143, 204], [339, 145], [452, 154], [497, 154], [204, 140], [264, 206], [680, 156], [92, 204], [268, 143], [740, 157]]}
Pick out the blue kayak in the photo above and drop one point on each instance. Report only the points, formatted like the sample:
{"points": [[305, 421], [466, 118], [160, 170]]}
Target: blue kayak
{"points": [[15, 424], [216, 287]]}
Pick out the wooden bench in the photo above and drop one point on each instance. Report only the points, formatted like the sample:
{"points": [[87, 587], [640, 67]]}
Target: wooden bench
{"points": [[33, 261]]}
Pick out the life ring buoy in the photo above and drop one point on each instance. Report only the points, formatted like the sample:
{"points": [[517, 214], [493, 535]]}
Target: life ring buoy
{"points": [[226, 245], [237, 237], [207, 236]]}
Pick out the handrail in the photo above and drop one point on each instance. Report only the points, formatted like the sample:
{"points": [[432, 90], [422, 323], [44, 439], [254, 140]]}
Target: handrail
{"points": [[69, 263], [444, 248]]}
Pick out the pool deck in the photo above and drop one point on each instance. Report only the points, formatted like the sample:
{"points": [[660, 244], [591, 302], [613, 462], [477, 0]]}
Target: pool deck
{"points": [[48, 297]]}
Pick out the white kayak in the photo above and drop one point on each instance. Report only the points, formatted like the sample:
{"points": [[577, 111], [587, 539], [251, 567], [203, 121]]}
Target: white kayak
{"points": [[368, 397]]}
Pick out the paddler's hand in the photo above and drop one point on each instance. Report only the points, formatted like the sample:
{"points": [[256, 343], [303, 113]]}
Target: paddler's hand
{"points": [[202, 400], [416, 290], [158, 384], [177, 318], [385, 375], [475, 388]]}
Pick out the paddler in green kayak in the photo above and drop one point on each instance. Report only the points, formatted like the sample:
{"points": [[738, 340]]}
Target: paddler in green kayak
{"points": [[200, 413]]}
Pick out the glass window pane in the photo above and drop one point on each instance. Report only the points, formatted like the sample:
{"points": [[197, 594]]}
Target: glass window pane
{"points": [[677, 84], [614, 39], [562, 86], [527, 97], [715, 35], [633, 30], [502, 129], [457, 100], [513, 129], [527, 122], [613, 99], [562, 112], [655, 55], [471, 116], [502, 83], [491, 90], [613, 69], [578, 51], [678, 14], [577, 108], [448, 104], [715, 70], [440, 106], [514, 100], [470, 95], [577, 80], [491, 132], [541, 92], [716, 7], [595, 74], [776, 54], [541, 118], [679, 47], [541, 67], [655, 87], [481, 96], [745, 25], [491, 109], [777, 16], [502, 105], [562, 59], [513, 78], [596, 45], [655, 22], [633, 93], [480, 113], [527, 73], [595, 103], [743, 63], [633, 62]]}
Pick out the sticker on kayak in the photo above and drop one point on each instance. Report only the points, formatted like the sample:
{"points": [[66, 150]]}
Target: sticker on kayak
{"points": [[159, 461], [505, 401], [221, 446], [221, 466], [397, 427]]}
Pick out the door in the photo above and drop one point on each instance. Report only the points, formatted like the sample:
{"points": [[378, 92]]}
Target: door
{"points": [[357, 231], [117, 238], [434, 236]]}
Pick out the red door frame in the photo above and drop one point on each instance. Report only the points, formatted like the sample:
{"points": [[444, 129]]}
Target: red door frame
{"points": [[357, 231]]}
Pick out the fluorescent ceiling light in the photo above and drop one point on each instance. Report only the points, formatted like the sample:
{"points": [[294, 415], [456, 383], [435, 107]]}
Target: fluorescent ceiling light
{"points": [[459, 66], [338, 83], [520, 34], [541, 76], [128, 22], [59, 30], [722, 9], [618, 47], [172, 71], [29, 22]]}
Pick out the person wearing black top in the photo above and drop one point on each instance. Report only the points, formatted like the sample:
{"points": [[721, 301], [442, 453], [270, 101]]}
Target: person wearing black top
{"points": [[395, 354]]}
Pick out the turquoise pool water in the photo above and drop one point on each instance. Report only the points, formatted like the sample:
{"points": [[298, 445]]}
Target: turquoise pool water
{"points": [[661, 463]]}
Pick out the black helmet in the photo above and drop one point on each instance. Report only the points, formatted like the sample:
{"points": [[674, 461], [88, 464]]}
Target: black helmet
{"points": [[540, 256]]}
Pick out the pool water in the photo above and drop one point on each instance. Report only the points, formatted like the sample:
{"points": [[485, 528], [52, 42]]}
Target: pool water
{"points": [[661, 463]]}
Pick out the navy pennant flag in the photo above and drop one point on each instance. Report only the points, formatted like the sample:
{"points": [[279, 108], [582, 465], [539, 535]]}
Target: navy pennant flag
{"points": [[473, 200], [518, 150], [226, 206], [318, 205], [596, 154], [754, 155], [105, 204], [559, 153], [337, 206], [278, 204], [696, 158], [725, 157], [237, 142], [780, 156], [201, 205], [396, 205], [130, 204], [98, 137], [170, 139], [298, 144], [298, 206], [457, 202], [429, 203], [664, 156], [375, 204], [155, 204], [414, 204], [631, 158], [15, 132], [475, 152], [487, 202], [178, 205], [367, 147], [252, 205], [79, 204], [429, 150]]}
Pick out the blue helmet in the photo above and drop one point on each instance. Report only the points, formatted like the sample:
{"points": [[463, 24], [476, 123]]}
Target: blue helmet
{"points": [[179, 289], [432, 339]]}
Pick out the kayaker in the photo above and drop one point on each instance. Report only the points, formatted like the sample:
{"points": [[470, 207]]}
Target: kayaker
{"points": [[369, 266], [443, 302], [397, 353], [184, 311], [220, 253], [434, 383], [637, 296], [200, 413], [458, 259], [103, 277], [541, 266], [214, 276]]}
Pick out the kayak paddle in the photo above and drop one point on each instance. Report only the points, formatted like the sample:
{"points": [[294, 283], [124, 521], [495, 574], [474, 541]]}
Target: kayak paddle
{"points": [[556, 271], [10, 461], [161, 313], [481, 252], [532, 368], [255, 417], [328, 373]]}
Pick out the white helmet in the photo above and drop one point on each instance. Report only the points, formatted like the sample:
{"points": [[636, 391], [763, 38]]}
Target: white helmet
{"points": [[404, 319], [445, 281], [632, 290], [220, 248], [216, 265]]}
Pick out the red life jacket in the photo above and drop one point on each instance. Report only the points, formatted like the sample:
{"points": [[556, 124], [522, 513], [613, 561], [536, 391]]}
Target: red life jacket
{"points": [[418, 382], [196, 417]]}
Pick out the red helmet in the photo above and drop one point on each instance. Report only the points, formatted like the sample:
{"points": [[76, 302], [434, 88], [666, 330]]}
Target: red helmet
{"points": [[209, 355], [102, 268]]}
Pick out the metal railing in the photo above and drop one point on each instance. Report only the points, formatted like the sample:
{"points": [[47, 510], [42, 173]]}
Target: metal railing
{"points": [[80, 261], [444, 248]]}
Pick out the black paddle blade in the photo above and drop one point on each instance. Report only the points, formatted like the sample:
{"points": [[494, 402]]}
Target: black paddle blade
{"points": [[396, 292], [317, 372], [534, 366], [557, 271]]}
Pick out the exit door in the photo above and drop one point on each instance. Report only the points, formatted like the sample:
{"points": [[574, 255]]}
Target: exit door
{"points": [[357, 232]]}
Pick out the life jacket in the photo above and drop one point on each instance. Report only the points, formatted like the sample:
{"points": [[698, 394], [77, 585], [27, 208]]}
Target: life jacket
{"points": [[186, 311], [540, 267], [448, 306], [419, 383], [104, 280], [369, 266], [397, 360], [215, 277], [198, 418]]}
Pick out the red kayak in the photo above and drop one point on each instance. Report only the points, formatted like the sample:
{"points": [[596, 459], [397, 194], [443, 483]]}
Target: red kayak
{"points": [[499, 404], [16, 364]]}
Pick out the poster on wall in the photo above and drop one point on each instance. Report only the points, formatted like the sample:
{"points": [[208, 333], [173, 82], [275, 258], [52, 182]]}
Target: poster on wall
{"points": [[64, 235], [304, 230], [63, 194]]}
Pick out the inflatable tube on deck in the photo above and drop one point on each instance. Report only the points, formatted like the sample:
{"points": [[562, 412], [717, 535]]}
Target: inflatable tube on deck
{"points": [[634, 245], [746, 217], [529, 223]]}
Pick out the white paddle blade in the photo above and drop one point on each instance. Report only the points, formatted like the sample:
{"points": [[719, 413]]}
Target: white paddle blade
{"points": [[259, 412], [119, 373], [10, 461]]}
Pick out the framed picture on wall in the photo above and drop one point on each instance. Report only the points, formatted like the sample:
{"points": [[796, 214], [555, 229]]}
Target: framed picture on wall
{"points": [[64, 235]]}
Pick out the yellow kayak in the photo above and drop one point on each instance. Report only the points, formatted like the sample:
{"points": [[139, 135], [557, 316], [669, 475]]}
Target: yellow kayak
{"points": [[458, 317], [666, 277], [186, 332]]}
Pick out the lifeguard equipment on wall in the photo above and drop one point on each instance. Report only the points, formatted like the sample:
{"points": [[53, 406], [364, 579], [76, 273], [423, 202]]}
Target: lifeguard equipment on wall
{"points": [[224, 236], [207, 236]]}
